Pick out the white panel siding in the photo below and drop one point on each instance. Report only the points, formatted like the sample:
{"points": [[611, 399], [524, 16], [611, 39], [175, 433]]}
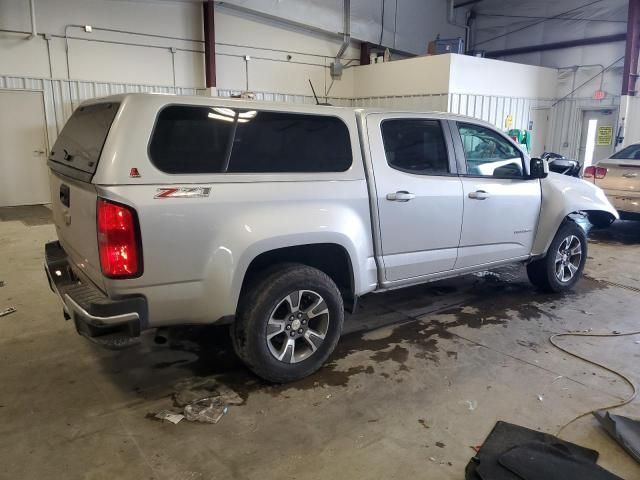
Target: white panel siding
{"points": [[62, 96], [431, 102], [566, 121], [288, 98]]}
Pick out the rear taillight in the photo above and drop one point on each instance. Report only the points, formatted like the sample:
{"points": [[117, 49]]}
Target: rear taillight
{"points": [[597, 172], [118, 240]]}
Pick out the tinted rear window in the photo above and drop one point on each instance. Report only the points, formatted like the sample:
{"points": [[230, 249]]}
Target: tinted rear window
{"points": [[189, 139], [415, 146], [80, 143]]}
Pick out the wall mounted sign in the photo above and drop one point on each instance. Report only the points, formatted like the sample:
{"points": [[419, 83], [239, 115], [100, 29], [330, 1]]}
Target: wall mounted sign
{"points": [[605, 135]]}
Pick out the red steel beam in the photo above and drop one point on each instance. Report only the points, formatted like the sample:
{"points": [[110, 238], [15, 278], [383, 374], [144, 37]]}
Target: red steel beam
{"points": [[632, 50], [209, 43]]}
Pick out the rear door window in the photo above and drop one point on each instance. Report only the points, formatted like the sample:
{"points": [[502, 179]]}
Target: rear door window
{"points": [[80, 143], [415, 146], [193, 139]]}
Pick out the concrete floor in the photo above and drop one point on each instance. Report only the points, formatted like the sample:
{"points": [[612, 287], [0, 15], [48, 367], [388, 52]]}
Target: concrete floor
{"points": [[423, 376]]}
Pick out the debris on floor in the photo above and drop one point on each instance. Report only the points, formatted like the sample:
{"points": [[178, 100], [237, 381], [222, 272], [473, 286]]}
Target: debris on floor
{"points": [[512, 452], [169, 416], [471, 404], [1, 283], [623, 430], [205, 399], [7, 311], [206, 410]]}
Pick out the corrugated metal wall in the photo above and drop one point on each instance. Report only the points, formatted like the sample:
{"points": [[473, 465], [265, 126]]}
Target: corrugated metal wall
{"points": [[496, 109], [283, 97], [432, 102], [62, 96], [566, 122]]}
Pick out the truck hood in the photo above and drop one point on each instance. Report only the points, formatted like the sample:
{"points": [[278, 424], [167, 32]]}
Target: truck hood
{"points": [[578, 194]]}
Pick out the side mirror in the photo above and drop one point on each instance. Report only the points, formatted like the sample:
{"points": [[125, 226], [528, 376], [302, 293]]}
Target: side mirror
{"points": [[538, 168]]}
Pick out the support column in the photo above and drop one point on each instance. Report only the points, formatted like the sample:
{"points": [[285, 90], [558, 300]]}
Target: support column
{"points": [[629, 97], [209, 45], [630, 74]]}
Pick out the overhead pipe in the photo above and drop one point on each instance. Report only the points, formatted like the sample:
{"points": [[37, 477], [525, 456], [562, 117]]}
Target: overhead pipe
{"points": [[618, 37], [346, 22], [298, 25], [336, 66], [465, 4], [32, 9]]}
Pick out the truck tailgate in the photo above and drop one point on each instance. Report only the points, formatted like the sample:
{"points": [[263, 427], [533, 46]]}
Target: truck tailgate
{"points": [[74, 213]]}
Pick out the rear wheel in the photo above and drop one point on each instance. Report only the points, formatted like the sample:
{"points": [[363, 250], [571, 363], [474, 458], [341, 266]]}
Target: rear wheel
{"points": [[288, 323], [562, 267]]}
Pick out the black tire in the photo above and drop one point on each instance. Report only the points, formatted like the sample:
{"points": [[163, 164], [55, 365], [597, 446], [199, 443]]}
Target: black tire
{"points": [[545, 273], [601, 219], [268, 298]]}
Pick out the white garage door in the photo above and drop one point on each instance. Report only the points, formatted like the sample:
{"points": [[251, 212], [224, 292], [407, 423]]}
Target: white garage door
{"points": [[23, 149]]}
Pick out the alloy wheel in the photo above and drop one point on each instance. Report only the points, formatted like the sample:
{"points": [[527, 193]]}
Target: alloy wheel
{"points": [[297, 326], [568, 258]]}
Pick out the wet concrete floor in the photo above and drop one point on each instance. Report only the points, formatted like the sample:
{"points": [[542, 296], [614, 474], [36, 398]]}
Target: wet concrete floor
{"points": [[420, 376]]}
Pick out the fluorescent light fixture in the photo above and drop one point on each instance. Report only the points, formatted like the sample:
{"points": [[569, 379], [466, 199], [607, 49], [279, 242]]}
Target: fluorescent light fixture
{"points": [[225, 111], [215, 116]]}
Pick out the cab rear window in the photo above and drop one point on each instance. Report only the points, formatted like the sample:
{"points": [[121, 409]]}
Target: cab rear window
{"points": [[78, 147], [194, 139]]}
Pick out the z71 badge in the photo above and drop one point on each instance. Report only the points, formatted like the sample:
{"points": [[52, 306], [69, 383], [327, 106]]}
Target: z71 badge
{"points": [[183, 192]]}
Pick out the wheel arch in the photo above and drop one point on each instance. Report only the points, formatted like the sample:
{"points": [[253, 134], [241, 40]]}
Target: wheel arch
{"points": [[563, 198], [331, 258]]}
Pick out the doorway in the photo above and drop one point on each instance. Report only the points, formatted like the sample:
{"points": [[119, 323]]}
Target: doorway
{"points": [[596, 135], [23, 149], [539, 131]]}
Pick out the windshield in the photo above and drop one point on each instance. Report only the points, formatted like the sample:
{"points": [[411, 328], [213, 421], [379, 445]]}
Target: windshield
{"points": [[632, 152]]}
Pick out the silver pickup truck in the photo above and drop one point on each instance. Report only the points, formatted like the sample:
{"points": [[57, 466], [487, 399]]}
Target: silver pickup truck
{"points": [[276, 218]]}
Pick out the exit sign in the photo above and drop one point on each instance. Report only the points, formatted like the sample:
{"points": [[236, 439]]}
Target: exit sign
{"points": [[599, 95]]}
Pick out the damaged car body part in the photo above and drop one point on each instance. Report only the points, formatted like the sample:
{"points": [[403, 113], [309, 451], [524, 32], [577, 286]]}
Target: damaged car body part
{"points": [[275, 218]]}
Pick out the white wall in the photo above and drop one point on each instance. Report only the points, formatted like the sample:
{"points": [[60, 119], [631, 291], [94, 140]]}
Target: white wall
{"points": [[408, 24], [631, 117], [482, 76], [109, 56], [411, 76]]}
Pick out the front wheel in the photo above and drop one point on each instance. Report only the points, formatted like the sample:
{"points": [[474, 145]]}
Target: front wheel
{"points": [[288, 323], [562, 267]]}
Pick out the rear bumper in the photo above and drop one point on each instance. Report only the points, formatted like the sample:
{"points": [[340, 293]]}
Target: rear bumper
{"points": [[95, 315], [623, 202]]}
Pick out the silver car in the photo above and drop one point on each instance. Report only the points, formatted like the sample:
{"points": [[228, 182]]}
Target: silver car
{"points": [[619, 177]]}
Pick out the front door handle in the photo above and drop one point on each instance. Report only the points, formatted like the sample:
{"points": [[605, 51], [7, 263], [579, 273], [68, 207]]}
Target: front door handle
{"points": [[401, 196], [479, 195]]}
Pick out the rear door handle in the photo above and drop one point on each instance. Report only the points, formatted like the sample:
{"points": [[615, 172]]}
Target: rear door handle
{"points": [[401, 196], [479, 195]]}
